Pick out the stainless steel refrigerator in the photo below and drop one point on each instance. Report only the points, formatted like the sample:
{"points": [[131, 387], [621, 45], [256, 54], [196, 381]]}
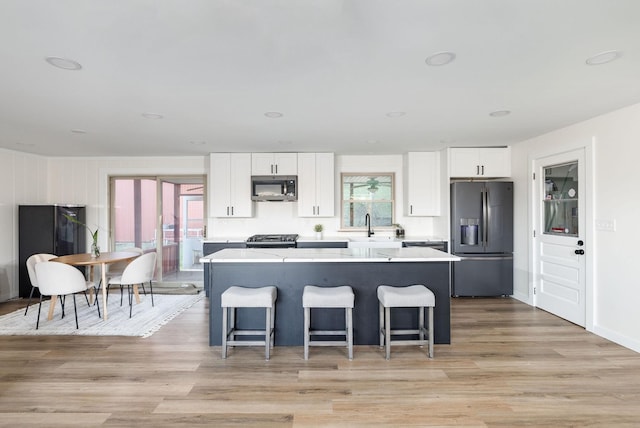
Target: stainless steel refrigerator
{"points": [[482, 236]]}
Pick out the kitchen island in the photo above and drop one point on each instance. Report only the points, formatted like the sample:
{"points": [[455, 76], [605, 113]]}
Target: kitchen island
{"points": [[290, 269]]}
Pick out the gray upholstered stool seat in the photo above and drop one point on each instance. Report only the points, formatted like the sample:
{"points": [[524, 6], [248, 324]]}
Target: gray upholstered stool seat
{"points": [[245, 297], [328, 297], [413, 296]]}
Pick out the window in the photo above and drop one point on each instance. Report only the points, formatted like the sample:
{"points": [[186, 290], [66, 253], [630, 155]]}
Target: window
{"points": [[363, 194]]}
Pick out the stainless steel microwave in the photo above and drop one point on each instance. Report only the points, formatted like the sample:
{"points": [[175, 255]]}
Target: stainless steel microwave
{"points": [[274, 188]]}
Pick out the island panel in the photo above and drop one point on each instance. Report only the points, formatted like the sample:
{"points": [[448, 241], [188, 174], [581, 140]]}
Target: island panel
{"points": [[363, 277]]}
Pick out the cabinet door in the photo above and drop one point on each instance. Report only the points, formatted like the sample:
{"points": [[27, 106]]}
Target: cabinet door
{"points": [[325, 185], [274, 163], [464, 162], [316, 184], [262, 164], [422, 184], [485, 162], [230, 185], [307, 185], [285, 163], [219, 184], [240, 188], [496, 162]]}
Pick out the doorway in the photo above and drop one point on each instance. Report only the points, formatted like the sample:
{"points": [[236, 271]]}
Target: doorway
{"points": [[560, 242], [162, 214]]}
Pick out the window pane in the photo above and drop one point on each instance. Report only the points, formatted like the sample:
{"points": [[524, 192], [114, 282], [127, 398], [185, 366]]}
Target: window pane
{"points": [[561, 199], [367, 194]]}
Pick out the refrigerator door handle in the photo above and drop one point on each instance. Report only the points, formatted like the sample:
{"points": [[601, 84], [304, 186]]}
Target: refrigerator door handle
{"points": [[485, 217]]}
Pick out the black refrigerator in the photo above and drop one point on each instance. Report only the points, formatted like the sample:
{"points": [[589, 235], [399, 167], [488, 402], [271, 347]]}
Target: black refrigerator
{"points": [[45, 229], [482, 236]]}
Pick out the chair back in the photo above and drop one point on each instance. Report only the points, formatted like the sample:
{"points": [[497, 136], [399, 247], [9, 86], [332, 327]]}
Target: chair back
{"points": [[118, 267], [31, 264], [140, 270], [59, 279]]}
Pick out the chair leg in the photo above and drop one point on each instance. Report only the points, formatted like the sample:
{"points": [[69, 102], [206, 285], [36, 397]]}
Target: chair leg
{"points": [[75, 309], [350, 332], [151, 290], [421, 323], [30, 296], [39, 307], [130, 300], [431, 331], [97, 304], [381, 323], [62, 299]]}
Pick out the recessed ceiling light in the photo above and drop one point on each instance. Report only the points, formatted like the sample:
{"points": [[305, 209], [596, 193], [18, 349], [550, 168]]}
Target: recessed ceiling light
{"points": [[285, 142], [25, 144], [396, 114], [198, 143], [372, 141], [603, 58], [78, 131], [273, 114], [152, 116], [440, 58], [66, 64], [500, 113]]}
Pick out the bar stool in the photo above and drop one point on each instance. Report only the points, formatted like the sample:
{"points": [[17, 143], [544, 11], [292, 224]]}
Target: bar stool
{"points": [[328, 297], [405, 297], [244, 297]]}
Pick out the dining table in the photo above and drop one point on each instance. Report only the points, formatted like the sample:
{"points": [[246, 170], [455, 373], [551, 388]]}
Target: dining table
{"points": [[87, 259]]}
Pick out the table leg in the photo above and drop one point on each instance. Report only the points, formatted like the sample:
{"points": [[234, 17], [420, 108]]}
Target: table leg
{"points": [[91, 289], [136, 293], [104, 291], [52, 306]]}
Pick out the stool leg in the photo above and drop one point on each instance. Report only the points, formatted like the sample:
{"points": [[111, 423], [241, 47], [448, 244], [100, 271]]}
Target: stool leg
{"points": [[387, 331], [232, 324], [431, 331], [267, 334], [273, 325], [307, 326], [224, 333], [421, 323], [381, 322], [350, 332]]}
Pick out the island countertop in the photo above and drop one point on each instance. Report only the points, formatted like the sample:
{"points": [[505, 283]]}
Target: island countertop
{"points": [[329, 255]]}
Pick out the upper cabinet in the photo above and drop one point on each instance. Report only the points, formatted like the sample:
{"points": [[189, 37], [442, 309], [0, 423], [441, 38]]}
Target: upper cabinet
{"points": [[274, 164], [230, 185], [422, 183], [480, 162], [316, 184]]}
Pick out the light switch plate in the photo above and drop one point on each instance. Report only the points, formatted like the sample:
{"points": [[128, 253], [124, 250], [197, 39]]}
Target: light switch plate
{"points": [[606, 225]]}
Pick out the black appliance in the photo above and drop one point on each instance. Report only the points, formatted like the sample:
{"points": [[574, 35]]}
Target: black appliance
{"points": [[45, 229], [272, 241], [482, 236], [274, 188]]}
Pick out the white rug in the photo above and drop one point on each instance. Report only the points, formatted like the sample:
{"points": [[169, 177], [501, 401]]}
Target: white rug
{"points": [[145, 319]]}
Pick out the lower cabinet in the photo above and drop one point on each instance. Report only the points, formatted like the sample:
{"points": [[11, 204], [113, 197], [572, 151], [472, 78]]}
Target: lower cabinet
{"points": [[322, 244]]}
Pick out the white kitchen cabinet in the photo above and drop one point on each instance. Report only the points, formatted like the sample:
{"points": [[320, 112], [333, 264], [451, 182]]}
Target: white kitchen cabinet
{"points": [[230, 185], [422, 183], [482, 162], [316, 184], [274, 163]]}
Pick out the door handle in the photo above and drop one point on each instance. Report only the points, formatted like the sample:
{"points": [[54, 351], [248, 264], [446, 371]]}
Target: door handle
{"points": [[579, 252]]}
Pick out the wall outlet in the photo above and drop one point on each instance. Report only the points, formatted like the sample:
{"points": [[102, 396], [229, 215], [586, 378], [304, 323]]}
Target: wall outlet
{"points": [[606, 225]]}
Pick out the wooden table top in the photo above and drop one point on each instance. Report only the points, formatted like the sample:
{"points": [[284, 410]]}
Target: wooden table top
{"points": [[85, 259]]}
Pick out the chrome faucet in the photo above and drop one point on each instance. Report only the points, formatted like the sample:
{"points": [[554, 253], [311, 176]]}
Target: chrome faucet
{"points": [[367, 222]]}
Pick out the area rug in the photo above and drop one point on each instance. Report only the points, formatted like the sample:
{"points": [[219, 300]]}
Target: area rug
{"points": [[145, 321]]}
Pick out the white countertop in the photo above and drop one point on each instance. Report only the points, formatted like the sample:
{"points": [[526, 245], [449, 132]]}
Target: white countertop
{"points": [[300, 255], [224, 240]]}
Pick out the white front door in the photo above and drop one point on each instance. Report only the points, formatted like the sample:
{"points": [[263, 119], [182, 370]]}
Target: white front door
{"points": [[560, 245]]}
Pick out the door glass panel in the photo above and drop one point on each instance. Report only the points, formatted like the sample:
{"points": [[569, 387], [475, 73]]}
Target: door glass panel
{"points": [[174, 227], [561, 199]]}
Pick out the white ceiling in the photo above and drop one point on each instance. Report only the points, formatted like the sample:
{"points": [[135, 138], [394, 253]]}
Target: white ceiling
{"points": [[333, 68]]}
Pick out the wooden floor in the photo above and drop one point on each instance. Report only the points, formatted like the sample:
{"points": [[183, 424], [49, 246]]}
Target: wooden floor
{"points": [[508, 365]]}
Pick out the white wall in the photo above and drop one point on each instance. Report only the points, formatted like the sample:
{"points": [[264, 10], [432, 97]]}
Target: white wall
{"points": [[616, 151], [24, 179]]}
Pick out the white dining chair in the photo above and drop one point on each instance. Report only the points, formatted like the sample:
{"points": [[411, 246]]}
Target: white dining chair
{"points": [[59, 279], [138, 272], [115, 270], [31, 264]]}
